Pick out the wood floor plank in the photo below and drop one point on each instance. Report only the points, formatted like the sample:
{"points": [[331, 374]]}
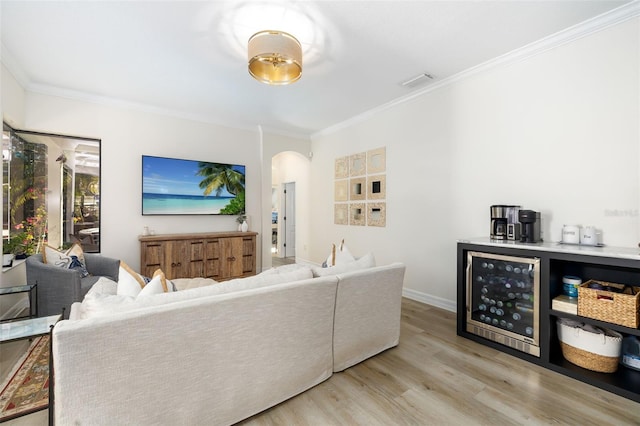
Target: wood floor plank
{"points": [[435, 377]]}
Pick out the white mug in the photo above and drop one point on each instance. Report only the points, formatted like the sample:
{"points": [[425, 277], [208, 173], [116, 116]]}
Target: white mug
{"points": [[571, 234], [589, 236]]}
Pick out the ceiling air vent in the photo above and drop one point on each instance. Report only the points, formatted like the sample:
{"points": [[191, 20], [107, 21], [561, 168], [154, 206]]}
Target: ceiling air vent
{"points": [[417, 80]]}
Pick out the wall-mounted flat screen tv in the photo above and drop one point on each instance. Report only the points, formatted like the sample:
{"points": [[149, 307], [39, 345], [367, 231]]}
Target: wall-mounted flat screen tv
{"points": [[171, 186]]}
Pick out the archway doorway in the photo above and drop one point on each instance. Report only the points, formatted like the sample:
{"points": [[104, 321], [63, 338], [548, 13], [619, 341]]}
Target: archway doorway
{"points": [[289, 186]]}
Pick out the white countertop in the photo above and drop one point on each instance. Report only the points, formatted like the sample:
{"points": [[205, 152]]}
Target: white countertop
{"points": [[557, 247]]}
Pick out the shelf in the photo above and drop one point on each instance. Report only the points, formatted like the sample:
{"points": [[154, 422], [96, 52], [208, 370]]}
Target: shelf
{"points": [[603, 324], [624, 381]]}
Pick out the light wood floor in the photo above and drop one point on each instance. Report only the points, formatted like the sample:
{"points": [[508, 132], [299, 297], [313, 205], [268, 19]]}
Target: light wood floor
{"points": [[435, 377]]}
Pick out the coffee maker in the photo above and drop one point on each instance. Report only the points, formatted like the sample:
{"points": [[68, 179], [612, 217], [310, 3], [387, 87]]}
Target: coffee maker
{"points": [[498, 222], [530, 226], [504, 222], [513, 223]]}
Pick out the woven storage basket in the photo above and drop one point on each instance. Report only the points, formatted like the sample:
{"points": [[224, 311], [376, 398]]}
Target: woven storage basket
{"points": [[609, 306], [593, 351]]}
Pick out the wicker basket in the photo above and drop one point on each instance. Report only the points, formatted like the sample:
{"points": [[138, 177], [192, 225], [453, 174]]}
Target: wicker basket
{"points": [[609, 306], [593, 351]]}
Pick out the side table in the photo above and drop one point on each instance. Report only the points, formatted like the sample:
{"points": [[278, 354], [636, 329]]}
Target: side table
{"points": [[33, 299], [27, 329]]}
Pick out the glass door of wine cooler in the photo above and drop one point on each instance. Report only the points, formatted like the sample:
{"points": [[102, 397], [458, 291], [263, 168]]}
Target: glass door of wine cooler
{"points": [[503, 296]]}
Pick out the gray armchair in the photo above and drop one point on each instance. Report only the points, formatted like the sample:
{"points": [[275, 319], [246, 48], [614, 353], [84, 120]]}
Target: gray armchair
{"points": [[59, 287]]}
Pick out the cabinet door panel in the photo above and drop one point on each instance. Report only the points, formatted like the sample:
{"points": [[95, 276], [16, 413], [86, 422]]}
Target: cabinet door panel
{"points": [[248, 255], [212, 261], [231, 261], [197, 260], [178, 262], [153, 258]]}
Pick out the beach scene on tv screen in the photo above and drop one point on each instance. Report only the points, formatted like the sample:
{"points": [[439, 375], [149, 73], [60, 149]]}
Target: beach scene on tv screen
{"points": [[175, 186]]}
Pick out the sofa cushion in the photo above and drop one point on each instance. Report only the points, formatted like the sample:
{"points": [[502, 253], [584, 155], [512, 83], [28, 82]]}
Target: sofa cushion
{"points": [[366, 261], [130, 283], [261, 280], [181, 284], [284, 269], [338, 256], [101, 304], [158, 284], [73, 258]]}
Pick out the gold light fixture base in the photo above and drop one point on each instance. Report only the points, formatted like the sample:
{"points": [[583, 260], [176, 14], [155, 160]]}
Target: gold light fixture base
{"points": [[275, 57]]}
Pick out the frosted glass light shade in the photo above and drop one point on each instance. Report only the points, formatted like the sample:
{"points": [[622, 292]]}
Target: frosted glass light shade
{"points": [[275, 57]]}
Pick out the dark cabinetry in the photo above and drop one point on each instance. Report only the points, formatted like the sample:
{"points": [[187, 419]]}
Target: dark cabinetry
{"points": [[619, 265]]}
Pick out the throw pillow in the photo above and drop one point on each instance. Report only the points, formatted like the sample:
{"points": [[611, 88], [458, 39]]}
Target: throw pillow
{"points": [[130, 283], [331, 259], [158, 284], [338, 255], [366, 261], [343, 255], [104, 286], [73, 258]]}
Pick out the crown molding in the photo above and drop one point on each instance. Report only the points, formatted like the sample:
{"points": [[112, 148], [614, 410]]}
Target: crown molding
{"points": [[8, 60], [583, 29], [586, 28], [10, 63]]}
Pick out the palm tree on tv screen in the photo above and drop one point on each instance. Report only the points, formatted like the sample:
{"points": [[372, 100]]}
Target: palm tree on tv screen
{"points": [[223, 176]]}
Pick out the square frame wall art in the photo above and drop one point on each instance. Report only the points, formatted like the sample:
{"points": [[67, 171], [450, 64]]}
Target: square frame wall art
{"points": [[377, 160], [360, 189], [358, 164], [377, 187], [377, 214], [357, 214], [341, 214], [342, 168], [341, 190]]}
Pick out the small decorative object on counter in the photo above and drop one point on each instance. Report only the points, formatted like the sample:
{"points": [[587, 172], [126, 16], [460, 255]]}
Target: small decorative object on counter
{"points": [[571, 234], [570, 285], [593, 348], [590, 236]]}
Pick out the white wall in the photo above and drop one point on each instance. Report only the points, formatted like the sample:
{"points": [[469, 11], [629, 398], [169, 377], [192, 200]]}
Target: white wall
{"points": [[126, 135], [557, 132], [12, 99]]}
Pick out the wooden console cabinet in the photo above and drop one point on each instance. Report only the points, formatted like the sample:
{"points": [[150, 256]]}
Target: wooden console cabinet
{"points": [[217, 255], [610, 264]]}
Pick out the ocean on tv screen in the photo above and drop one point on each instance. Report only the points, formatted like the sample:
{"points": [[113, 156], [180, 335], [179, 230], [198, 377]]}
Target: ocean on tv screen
{"points": [[183, 204]]}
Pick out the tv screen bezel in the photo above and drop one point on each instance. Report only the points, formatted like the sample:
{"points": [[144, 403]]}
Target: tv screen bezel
{"points": [[187, 212]]}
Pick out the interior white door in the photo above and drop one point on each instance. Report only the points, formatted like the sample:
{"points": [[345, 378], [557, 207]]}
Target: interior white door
{"points": [[289, 219]]}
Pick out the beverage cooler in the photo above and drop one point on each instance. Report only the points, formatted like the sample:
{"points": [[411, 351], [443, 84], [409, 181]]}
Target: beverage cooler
{"points": [[503, 300]]}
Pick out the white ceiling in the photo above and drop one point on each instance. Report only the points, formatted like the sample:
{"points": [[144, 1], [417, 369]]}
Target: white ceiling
{"points": [[188, 58]]}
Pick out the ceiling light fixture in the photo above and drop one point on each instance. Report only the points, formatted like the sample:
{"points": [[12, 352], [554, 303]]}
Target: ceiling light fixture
{"points": [[275, 57]]}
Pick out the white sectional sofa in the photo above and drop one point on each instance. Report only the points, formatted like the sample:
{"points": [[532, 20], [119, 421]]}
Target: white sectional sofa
{"points": [[195, 357]]}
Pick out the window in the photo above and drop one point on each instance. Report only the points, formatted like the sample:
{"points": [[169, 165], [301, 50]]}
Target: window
{"points": [[51, 190]]}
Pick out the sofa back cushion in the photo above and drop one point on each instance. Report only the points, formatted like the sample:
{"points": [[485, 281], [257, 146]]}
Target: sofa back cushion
{"points": [[97, 303], [366, 261]]}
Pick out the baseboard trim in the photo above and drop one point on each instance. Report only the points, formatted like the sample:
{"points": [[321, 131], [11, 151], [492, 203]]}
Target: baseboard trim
{"points": [[438, 302]]}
